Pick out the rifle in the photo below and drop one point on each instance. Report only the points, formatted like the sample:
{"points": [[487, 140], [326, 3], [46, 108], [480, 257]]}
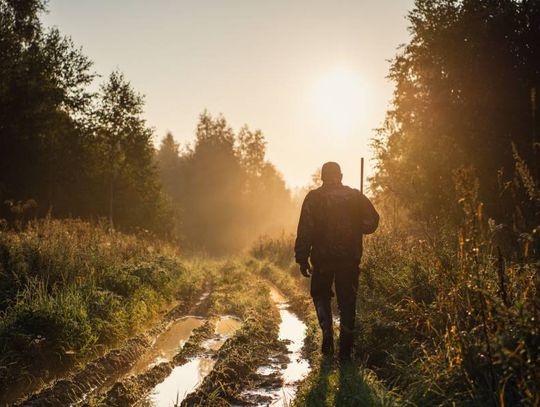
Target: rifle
{"points": [[362, 175]]}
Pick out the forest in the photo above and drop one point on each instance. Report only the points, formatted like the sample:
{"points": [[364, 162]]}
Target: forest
{"points": [[117, 245]]}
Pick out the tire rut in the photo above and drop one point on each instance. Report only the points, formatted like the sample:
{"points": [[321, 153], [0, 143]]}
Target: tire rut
{"points": [[82, 383]]}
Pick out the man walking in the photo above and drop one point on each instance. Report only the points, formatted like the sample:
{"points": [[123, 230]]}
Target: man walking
{"points": [[333, 219]]}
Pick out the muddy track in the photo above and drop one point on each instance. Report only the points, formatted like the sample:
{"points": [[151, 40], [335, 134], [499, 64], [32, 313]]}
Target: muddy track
{"points": [[237, 363], [249, 364], [83, 382], [256, 366], [135, 388], [262, 365]]}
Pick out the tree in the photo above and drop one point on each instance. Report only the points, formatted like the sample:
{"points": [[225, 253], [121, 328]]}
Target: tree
{"points": [[125, 150], [252, 150], [462, 96], [168, 158], [226, 192], [215, 182], [43, 80]]}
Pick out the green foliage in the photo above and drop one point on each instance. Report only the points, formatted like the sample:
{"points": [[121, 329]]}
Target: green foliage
{"points": [[68, 288], [345, 386], [462, 96], [440, 321], [73, 152], [43, 93], [448, 305], [277, 250], [123, 147], [78, 153]]}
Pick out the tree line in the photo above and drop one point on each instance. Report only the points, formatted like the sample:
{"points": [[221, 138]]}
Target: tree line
{"points": [[465, 109], [68, 151], [225, 191]]}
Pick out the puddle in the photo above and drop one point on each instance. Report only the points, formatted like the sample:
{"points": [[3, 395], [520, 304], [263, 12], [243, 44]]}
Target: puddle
{"points": [[186, 378], [293, 331], [167, 344], [225, 328], [227, 325], [182, 381]]}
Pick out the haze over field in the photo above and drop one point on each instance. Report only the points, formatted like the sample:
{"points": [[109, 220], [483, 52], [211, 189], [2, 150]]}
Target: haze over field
{"points": [[310, 74]]}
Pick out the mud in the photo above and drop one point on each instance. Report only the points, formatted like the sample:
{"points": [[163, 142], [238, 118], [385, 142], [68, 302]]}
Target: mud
{"points": [[237, 362], [167, 344], [68, 391], [186, 377], [161, 379], [277, 382], [187, 361], [102, 372], [135, 388]]}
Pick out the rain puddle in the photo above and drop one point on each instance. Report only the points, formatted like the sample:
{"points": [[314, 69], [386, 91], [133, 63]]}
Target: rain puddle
{"points": [[293, 331], [225, 328], [186, 378], [167, 344], [182, 381]]}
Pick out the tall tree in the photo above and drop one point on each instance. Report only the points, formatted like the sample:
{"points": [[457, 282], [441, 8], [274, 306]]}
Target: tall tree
{"points": [[124, 144], [216, 182], [462, 96], [169, 161], [43, 93], [226, 192]]}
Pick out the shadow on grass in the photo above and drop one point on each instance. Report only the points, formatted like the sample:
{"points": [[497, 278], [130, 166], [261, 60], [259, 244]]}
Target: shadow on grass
{"points": [[338, 385], [352, 389], [318, 392]]}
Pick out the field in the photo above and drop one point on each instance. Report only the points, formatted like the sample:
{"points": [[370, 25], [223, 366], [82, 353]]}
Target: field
{"points": [[82, 306], [86, 305]]}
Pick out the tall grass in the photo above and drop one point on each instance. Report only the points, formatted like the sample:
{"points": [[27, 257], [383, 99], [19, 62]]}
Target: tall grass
{"points": [[447, 323], [69, 288]]}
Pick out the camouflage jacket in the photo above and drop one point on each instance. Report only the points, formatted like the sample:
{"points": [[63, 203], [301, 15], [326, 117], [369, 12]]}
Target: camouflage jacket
{"points": [[333, 219]]}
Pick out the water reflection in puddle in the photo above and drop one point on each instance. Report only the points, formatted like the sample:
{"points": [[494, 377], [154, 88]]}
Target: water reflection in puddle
{"points": [[293, 331], [167, 344], [227, 325], [186, 378], [182, 381]]}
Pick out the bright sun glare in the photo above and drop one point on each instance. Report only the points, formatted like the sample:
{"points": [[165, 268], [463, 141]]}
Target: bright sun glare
{"points": [[340, 99]]}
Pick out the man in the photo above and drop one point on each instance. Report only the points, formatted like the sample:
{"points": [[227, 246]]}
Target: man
{"points": [[333, 219]]}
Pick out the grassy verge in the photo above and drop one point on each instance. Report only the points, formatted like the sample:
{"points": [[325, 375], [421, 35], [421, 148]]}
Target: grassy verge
{"points": [[70, 290], [443, 322]]}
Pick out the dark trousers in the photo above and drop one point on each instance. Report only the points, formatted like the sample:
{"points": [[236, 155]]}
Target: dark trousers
{"points": [[344, 276]]}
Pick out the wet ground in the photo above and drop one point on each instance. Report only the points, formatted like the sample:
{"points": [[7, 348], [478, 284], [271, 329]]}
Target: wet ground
{"points": [[279, 379], [175, 362], [186, 377], [167, 344]]}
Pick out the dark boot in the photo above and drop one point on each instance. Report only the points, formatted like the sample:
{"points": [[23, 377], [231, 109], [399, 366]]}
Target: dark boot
{"points": [[346, 338], [324, 314], [327, 347]]}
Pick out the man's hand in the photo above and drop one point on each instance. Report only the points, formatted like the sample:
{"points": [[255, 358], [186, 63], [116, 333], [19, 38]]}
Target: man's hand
{"points": [[305, 269]]}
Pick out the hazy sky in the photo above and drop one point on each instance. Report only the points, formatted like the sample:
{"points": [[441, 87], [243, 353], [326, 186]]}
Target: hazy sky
{"points": [[310, 74]]}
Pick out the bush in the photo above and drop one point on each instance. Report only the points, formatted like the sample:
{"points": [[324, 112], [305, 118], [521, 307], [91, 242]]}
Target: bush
{"points": [[69, 287]]}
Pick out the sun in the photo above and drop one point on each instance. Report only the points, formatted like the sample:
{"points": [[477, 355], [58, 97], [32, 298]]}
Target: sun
{"points": [[340, 99]]}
